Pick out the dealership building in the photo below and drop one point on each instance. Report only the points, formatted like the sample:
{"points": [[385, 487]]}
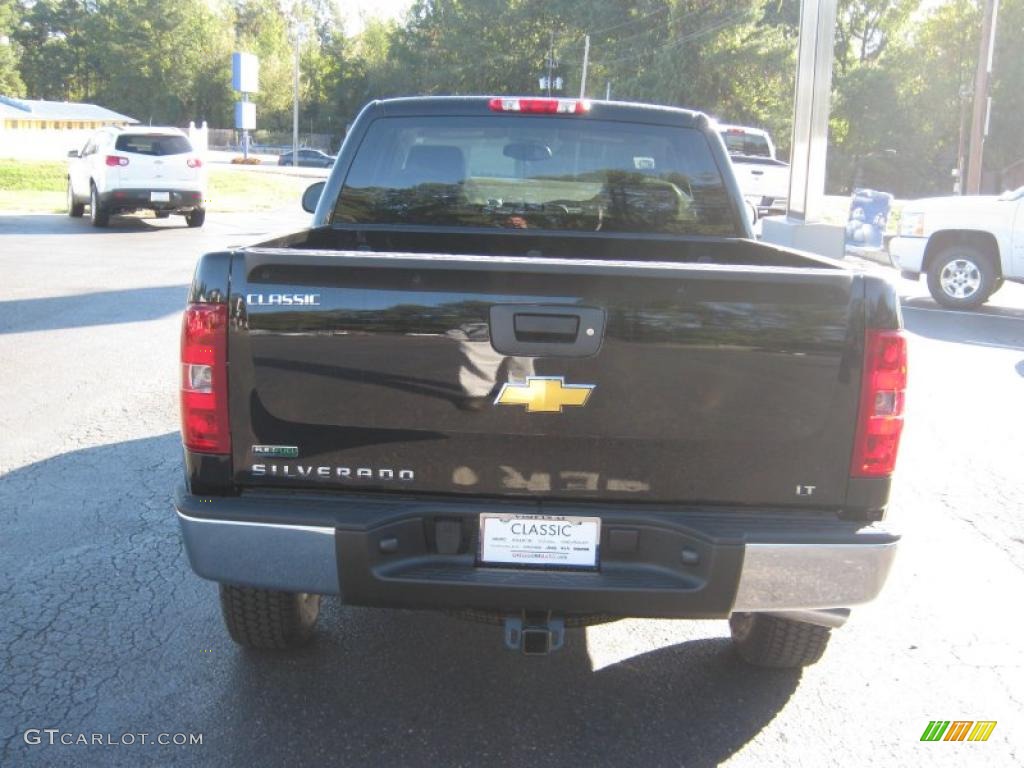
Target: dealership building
{"points": [[49, 129]]}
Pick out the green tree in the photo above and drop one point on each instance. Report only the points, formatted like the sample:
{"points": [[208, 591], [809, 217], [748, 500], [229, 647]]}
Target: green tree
{"points": [[1005, 144], [164, 61], [55, 44], [10, 78]]}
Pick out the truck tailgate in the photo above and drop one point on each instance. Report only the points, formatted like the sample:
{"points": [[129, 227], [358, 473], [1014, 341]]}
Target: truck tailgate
{"points": [[700, 383]]}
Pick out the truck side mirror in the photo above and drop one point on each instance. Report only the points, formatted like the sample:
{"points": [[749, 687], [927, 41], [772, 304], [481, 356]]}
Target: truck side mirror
{"points": [[73, 153], [312, 196], [751, 212]]}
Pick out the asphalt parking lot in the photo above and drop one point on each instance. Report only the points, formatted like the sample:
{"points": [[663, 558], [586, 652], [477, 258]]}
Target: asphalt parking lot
{"points": [[104, 629]]}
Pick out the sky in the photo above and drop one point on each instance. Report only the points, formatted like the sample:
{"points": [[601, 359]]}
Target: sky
{"points": [[354, 11]]}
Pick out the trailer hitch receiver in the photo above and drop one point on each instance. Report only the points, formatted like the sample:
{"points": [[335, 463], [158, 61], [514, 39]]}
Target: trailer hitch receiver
{"points": [[535, 633]]}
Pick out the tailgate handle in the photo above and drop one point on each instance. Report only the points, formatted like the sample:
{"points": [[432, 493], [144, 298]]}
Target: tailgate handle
{"points": [[758, 173], [546, 328], [546, 331]]}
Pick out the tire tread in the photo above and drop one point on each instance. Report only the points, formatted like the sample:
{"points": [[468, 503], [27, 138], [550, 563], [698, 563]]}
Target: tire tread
{"points": [[264, 619], [781, 643]]}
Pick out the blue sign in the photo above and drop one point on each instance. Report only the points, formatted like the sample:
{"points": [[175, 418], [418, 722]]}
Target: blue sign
{"points": [[245, 72], [869, 215], [245, 116]]}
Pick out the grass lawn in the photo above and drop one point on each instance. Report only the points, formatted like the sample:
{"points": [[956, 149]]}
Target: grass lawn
{"points": [[248, 190], [39, 186], [32, 186]]}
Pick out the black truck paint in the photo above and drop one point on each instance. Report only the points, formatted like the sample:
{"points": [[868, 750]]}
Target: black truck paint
{"points": [[724, 373]]}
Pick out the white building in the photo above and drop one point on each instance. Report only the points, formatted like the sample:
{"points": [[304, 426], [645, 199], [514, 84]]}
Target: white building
{"points": [[47, 130]]}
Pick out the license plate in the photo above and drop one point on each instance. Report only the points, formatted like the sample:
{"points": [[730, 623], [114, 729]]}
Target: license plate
{"points": [[159, 197], [539, 541]]}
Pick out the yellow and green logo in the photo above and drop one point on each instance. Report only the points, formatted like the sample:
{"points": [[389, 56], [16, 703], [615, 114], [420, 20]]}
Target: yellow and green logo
{"points": [[958, 730]]}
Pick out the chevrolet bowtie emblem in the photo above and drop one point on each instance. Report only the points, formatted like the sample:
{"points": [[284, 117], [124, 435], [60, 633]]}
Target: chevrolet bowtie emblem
{"points": [[544, 394]]}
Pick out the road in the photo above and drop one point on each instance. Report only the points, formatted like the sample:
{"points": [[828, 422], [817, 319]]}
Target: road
{"points": [[104, 629]]}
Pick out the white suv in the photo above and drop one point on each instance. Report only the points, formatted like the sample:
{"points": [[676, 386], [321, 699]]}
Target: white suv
{"points": [[128, 169]]}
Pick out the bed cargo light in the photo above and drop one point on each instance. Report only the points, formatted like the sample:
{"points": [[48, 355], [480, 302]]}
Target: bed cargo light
{"points": [[880, 420], [204, 390], [541, 106]]}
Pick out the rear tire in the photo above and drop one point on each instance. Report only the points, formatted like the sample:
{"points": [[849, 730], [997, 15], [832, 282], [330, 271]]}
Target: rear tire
{"points": [[770, 641], [75, 210], [196, 217], [266, 619], [98, 214], [962, 277]]}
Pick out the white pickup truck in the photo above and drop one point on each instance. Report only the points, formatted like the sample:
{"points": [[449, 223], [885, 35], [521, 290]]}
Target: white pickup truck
{"points": [[967, 246], [763, 178]]}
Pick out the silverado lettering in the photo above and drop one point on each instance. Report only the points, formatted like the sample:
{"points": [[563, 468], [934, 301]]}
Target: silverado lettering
{"points": [[361, 473], [735, 462]]}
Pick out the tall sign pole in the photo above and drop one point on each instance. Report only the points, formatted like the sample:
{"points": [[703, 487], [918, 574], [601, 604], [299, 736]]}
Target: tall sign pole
{"points": [[802, 226], [811, 110], [982, 101]]}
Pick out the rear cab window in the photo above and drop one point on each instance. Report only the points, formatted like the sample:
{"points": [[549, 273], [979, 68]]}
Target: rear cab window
{"points": [[152, 144], [546, 173], [745, 144]]}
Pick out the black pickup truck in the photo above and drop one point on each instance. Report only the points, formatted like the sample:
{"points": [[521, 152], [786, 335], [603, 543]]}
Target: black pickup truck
{"points": [[529, 366]]}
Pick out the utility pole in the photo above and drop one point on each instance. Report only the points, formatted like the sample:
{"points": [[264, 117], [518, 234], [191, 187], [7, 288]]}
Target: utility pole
{"points": [[551, 60], [586, 61], [961, 140], [608, 91], [982, 101], [295, 98]]}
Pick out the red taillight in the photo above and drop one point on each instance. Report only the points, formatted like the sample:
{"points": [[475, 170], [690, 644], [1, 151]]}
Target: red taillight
{"points": [[195, 162], [880, 420], [114, 160], [204, 381], [541, 106]]}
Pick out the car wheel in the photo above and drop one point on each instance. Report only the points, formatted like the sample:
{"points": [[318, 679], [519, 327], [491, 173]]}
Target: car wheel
{"points": [[771, 641], [98, 215], [196, 217], [75, 210], [266, 619], [961, 277]]}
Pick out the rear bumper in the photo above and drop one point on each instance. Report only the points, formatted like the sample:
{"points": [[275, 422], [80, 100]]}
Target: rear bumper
{"points": [[177, 199], [655, 562], [767, 205]]}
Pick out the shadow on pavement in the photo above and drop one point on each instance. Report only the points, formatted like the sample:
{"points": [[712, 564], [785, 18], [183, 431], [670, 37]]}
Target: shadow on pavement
{"points": [[104, 629], [404, 688], [989, 310], [1002, 327], [132, 305], [62, 224]]}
